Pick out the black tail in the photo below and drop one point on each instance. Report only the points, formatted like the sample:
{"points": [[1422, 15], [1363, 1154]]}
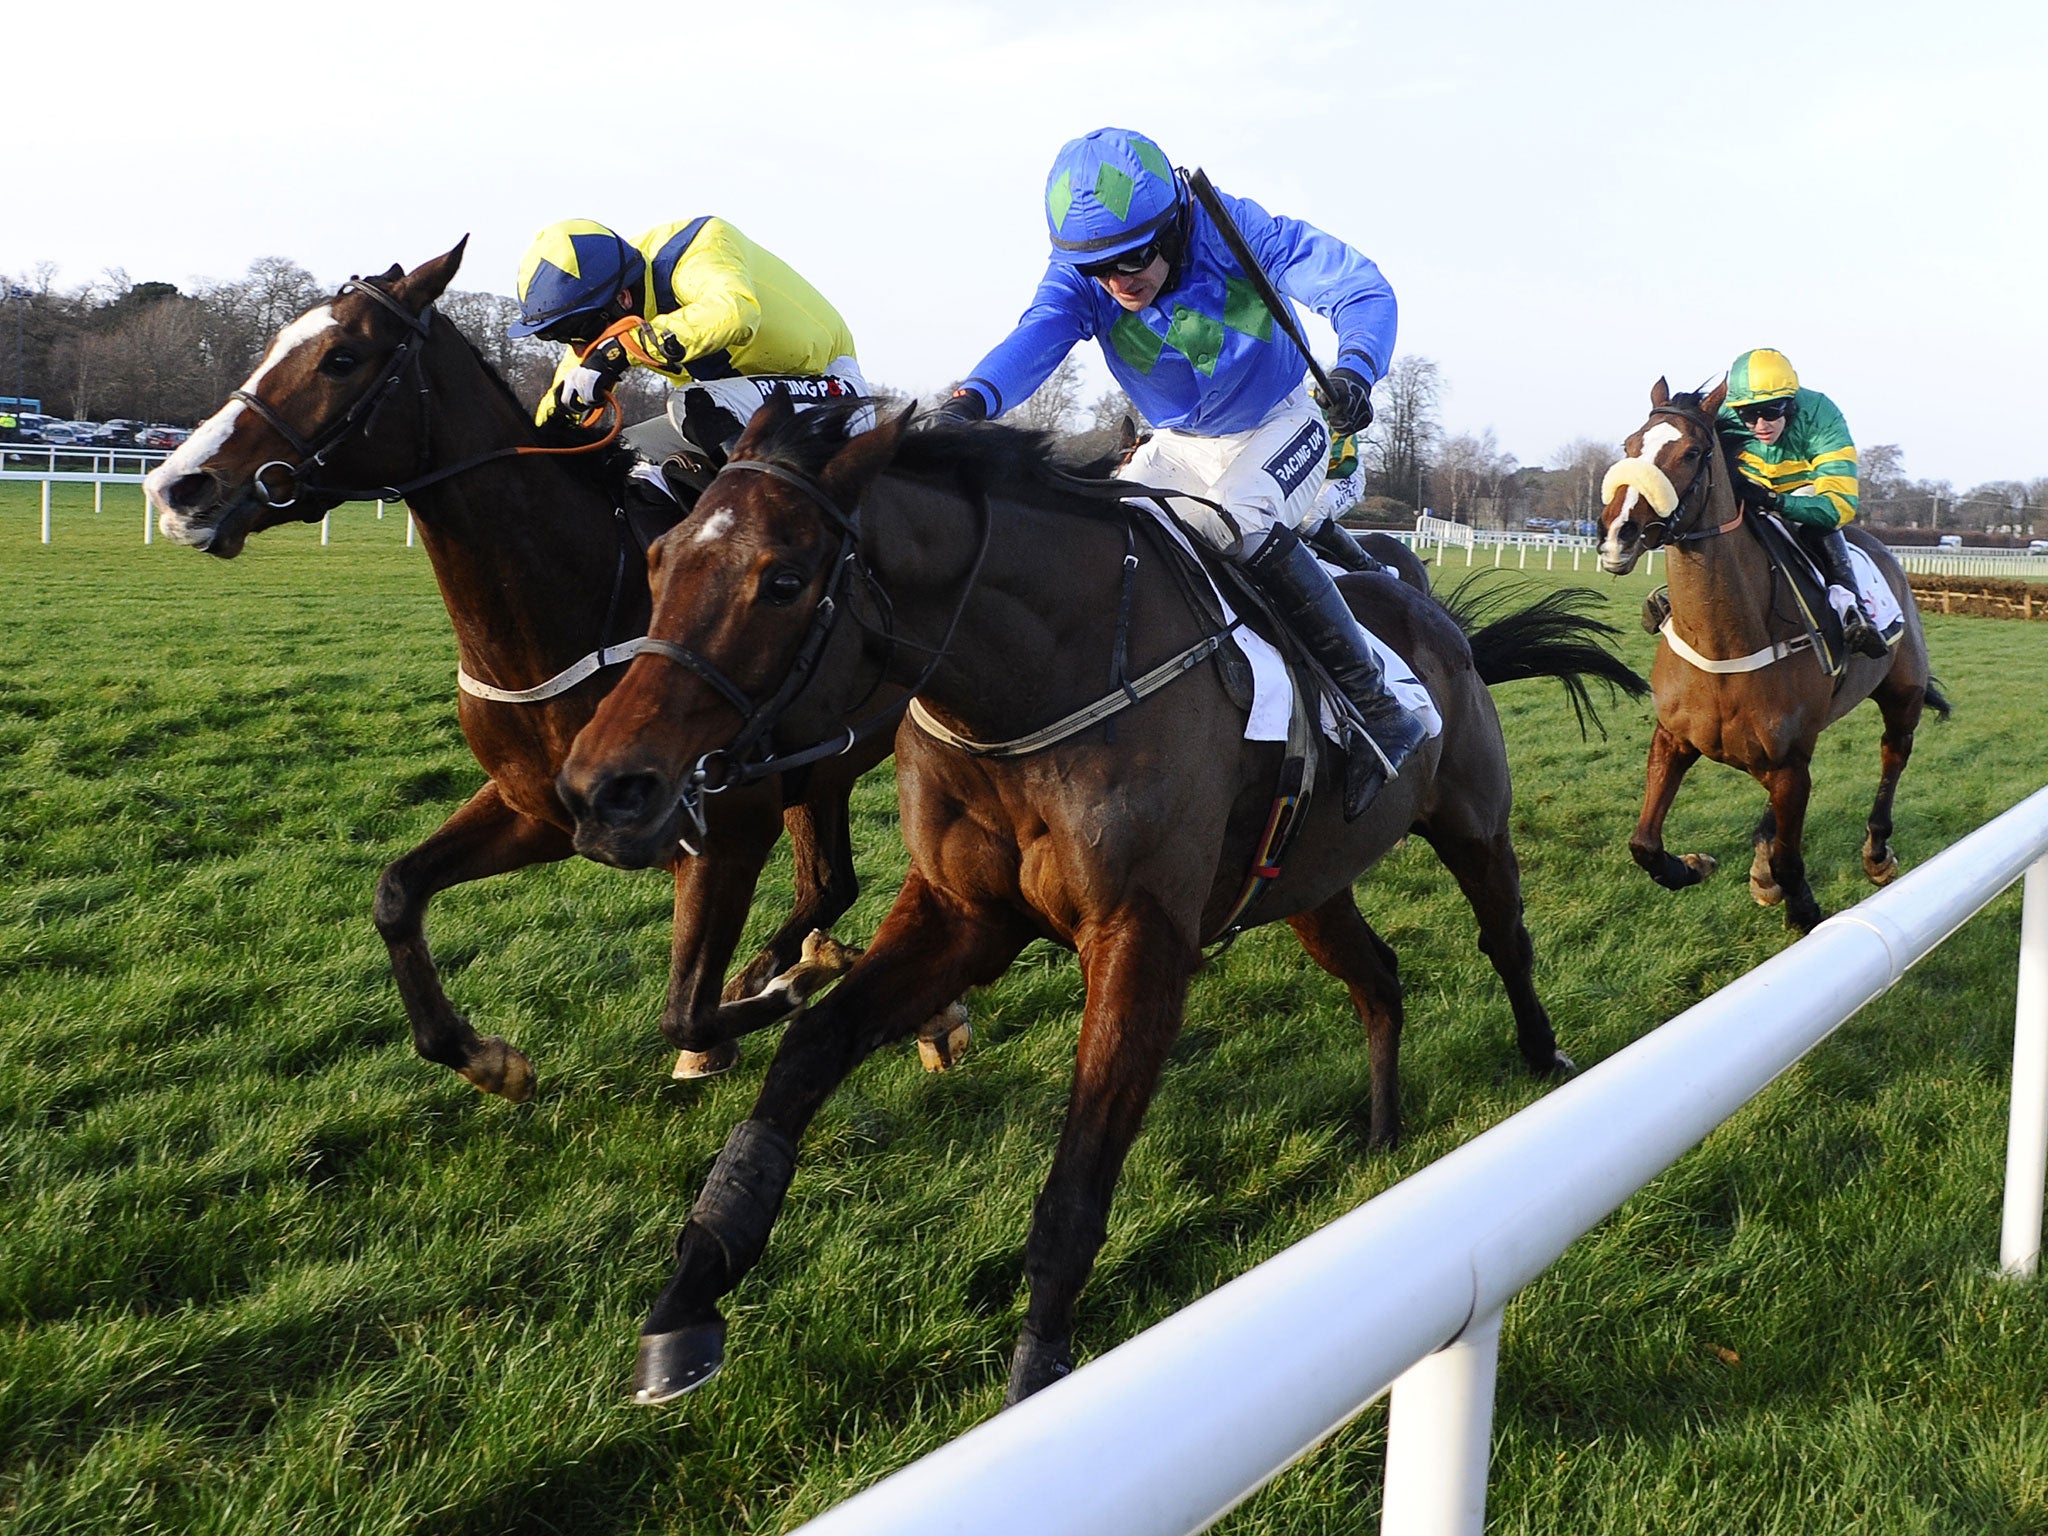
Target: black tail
{"points": [[1550, 637], [1935, 699]]}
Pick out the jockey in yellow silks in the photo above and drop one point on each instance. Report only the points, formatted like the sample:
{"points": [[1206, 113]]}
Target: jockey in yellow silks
{"points": [[722, 318], [1798, 460]]}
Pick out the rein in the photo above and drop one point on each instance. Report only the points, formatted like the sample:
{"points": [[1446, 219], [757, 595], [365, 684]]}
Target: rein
{"points": [[1671, 528]]}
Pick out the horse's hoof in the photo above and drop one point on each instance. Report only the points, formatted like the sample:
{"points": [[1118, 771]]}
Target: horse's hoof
{"points": [[671, 1364], [499, 1068], [1701, 864], [1562, 1066], [945, 1038], [1036, 1366], [1766, 895], [1885, 873], [716, 1062]]}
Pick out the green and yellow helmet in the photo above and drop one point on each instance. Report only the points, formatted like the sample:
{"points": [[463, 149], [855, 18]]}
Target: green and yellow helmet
{"points": [[571, 267], [1760, 375]]}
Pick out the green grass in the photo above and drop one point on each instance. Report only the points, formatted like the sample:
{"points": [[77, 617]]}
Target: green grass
{"points": [[263, 1269]]}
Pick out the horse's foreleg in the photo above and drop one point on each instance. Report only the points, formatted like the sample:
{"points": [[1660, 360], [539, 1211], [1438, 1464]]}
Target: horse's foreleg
{"points": [[924, 956], [1790, 787], [1137, 968], [1339, 940], [821, 852], [1487, 871], [1763, 885], [1669, 759], [714, 890], [1901, 713], [485, 837]]}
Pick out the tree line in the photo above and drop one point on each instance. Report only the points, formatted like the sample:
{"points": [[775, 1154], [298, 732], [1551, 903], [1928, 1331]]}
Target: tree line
{"points": [[147, 351]]}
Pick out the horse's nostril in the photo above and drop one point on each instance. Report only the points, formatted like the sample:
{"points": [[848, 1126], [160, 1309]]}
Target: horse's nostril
{"points": [[189, 493], [624, 799]]}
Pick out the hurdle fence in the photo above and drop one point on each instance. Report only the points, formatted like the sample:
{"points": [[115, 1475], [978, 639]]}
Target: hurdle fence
{"points": [[1165, 1434]]}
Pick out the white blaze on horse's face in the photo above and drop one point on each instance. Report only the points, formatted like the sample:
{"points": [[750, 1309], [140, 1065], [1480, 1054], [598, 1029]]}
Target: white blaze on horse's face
{"points": [[716, 527], [196, 454], [1637, 478]]}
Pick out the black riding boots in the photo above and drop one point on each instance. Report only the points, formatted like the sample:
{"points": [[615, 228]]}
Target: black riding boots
{"points": [[1288, 574], [1831, 550], [1334, 543]]}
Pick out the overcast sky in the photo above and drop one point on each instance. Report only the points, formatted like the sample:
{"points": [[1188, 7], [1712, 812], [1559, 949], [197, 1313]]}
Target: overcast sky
{"points": [[1569, 200]]}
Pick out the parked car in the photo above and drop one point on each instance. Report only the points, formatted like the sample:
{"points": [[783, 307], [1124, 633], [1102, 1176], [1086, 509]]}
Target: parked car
{"points": [[161, 437], [69, 434], [2037, 546], [31, 423], [120, 432]]}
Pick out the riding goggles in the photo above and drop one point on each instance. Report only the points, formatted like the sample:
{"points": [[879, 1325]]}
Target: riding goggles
{"points": [[1128, 265], [1764, 410]]}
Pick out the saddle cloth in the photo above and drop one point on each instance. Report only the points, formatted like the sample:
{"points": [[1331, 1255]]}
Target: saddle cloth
{"points": [[1272, 690]]}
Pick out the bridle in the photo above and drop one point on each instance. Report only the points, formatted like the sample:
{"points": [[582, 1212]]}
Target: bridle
{"points": [[1675, 526], [361, 415], [749, 756]]}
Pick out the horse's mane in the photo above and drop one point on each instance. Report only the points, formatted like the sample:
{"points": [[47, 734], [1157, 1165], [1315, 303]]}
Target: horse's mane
{"points": [[607, 468], [1730, 438], [1024, 463]]}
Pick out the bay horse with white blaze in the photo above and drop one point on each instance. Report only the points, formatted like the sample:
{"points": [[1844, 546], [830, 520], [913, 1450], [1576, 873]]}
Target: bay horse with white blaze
{"points": [[1755, 692], [951, 562], [373, 391]]}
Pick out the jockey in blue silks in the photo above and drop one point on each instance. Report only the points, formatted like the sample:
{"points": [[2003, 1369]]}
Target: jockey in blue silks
{"points": [[1139, 265]]}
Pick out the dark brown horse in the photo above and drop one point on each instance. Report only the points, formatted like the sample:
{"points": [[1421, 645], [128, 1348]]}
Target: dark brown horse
{"points": [[1755, 693], [948, 561], [372, 390]]}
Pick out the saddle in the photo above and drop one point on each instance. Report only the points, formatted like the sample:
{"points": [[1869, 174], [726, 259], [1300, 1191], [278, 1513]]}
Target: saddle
{"points": [[659, 496], [1802, 579]]}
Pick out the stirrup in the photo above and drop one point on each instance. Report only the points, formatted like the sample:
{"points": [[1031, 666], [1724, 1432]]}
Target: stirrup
{"points": [[1656, 611]]}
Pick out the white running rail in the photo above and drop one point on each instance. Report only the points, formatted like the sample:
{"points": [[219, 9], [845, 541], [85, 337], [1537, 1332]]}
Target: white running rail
{"points": [[1163, 1435]]}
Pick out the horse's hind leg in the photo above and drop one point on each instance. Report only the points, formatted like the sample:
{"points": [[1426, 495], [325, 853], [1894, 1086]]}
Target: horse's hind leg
{"points": [[1137, 965], [485, 837], [1669, 759], [1763, 885], [1791, 786], [1487, 871], [1339, 940], [1901, 711], [925, 955]]}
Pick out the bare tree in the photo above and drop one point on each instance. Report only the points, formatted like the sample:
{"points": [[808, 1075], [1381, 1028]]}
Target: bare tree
{"points": [[1404, 432], [1055, 401], [1110, 410], [1469, 473]]}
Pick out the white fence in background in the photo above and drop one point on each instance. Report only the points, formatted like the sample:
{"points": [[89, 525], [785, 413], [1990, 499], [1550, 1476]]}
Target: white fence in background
{"points": [[1166, 1433], [52, 464]]}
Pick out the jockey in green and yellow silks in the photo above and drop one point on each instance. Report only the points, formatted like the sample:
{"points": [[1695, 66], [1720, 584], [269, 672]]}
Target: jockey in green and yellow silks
{"points": [[719, 314], [1798, 460]]}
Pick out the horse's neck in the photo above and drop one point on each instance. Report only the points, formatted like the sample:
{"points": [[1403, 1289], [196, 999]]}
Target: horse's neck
{"points": [[1721, 588], [525, 549], [1035, 635]]}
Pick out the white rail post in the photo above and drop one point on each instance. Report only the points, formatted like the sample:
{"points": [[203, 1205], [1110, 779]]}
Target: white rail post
{"points": [[323, 530], [1440, 1438], [2026, 1147], [98, 488], [408, 528], [46, 511], [148, 522], [380, 509]]}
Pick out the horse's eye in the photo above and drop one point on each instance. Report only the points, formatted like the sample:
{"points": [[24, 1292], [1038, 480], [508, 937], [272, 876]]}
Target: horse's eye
{"points": [[339, 364], [1691, 454], [783, 585]]}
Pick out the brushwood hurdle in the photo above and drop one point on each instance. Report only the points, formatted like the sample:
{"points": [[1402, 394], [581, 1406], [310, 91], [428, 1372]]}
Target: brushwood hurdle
{"points": [[1165, 1434]]}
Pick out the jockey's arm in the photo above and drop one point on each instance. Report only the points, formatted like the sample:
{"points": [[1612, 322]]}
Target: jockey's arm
{"points": [[1044, 334], [1343, 286]]}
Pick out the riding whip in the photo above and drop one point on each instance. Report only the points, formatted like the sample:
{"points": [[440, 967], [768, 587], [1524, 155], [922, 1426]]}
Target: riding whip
{"points": [[1282, 312]]}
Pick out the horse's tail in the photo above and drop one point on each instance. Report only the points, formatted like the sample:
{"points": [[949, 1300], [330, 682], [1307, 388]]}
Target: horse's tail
{"points": [[1550, 637], [1935, 699]]}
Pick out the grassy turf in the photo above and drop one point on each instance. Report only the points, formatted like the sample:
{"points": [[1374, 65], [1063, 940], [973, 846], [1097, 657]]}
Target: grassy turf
{"points": [[264, 1269]]}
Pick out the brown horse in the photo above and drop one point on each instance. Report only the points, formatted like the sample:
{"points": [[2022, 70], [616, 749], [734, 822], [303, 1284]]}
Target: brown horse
{"points": [[1757, 693], [1006, 600], [537, 568]]}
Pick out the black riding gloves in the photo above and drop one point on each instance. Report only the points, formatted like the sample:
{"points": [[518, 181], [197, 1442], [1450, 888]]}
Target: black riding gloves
{"points": [[595, 375], [1762, 497], [1347, 403], [961, 405]]}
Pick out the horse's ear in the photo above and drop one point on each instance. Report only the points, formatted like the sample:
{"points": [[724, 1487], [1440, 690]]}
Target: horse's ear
{"points": [[1660, 392], [1712, 402], [866, 454], [429, 280]]}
